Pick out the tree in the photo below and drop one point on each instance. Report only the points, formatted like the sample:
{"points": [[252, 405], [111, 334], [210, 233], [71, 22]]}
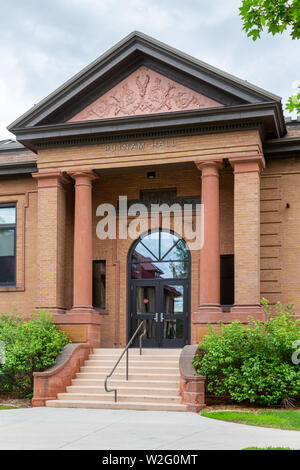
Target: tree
{"points": [[276, 16]]}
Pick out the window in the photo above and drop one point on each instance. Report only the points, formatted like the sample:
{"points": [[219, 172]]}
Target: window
{"points": [[160, 255], [7, 244], [99, 281]]}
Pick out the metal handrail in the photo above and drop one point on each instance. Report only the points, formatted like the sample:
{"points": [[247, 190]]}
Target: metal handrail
{"points": [[126, 351]]}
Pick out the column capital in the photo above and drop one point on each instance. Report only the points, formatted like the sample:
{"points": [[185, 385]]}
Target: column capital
{"points": [[246, 163], [51, 179], [209, 166], [83, 173]]}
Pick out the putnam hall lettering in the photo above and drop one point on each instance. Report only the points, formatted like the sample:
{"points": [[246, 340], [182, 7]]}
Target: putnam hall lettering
{"points": [[140, 146]]}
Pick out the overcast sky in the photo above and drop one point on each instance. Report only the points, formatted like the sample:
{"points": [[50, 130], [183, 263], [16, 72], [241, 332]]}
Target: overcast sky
{"points": [[45, 42]]}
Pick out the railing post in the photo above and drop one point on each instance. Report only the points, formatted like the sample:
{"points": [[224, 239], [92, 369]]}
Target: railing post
{"points": [[127, 359]]}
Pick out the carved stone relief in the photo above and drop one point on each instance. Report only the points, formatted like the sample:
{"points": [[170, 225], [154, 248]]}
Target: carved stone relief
{"points": [[144, 92]]}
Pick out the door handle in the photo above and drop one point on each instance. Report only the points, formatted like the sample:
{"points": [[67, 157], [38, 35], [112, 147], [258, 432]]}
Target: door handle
{"points": [[156, 317], [161, 317]]}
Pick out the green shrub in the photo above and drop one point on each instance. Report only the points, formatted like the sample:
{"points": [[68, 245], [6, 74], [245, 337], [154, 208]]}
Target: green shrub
{"points": [[253, 362], [30, 346]]}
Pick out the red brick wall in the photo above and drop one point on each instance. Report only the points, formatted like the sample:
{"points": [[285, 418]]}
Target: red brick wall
{"points": [[280, 229], [22, 298]]}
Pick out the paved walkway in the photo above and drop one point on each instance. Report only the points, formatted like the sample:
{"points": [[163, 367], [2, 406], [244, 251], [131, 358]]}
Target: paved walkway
{"points": [[51, 428]]}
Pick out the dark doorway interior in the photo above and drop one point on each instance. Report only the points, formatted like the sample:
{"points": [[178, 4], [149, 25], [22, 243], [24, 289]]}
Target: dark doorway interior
{"points": [[159, 279], [227, 280]]}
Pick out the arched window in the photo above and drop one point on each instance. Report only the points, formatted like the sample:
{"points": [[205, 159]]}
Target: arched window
{"points": [[160, 255]]}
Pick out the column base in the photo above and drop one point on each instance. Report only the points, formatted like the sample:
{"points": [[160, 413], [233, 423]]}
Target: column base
{"points": [[82, 325], [210, 308], [79, 310], [53, 310]]}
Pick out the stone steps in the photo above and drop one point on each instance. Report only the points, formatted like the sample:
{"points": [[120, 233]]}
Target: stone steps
{"points": [[131, 376], [154, 382], [149, 363], [118, 406], [142, 368], [121, 397], [123, 389], [135, 351], [122, 381]]}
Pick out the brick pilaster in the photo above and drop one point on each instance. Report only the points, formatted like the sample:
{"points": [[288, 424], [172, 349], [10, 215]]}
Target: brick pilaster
{"points": [[247, 231], [51, 240]]}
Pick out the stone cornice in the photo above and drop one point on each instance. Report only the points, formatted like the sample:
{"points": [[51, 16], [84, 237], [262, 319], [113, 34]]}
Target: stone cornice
{"points": [[263, 115], [282, 148]]}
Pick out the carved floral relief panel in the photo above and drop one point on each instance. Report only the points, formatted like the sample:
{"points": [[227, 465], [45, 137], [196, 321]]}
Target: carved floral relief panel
{"points": [[144, 92]]}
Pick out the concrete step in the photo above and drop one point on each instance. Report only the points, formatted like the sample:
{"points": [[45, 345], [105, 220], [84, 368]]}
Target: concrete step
{"points": [[122, 397], [133, 362], [131, 376], [90, 389], [133, 383], [117, 406], [135, 351], [136, 357], [88, 367]]}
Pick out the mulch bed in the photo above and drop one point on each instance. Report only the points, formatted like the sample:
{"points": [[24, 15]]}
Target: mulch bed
{"points": [[10, 400]]}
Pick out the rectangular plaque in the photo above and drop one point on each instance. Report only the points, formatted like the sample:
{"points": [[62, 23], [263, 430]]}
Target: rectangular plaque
{"points": [[76, 333]]}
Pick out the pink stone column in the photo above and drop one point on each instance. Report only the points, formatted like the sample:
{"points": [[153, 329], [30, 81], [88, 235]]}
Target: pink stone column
{"points": [[83, 254], [210, 252]]}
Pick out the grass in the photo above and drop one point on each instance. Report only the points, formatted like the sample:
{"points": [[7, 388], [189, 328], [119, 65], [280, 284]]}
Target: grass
{"points": [[267, 448], [266, 418], [8, 407]]}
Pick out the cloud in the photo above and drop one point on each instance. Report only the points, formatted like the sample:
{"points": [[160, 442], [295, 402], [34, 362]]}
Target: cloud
{"points": [[43, 44]]}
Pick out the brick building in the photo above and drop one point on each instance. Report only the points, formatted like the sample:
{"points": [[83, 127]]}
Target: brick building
{"points": [[147, 122]]}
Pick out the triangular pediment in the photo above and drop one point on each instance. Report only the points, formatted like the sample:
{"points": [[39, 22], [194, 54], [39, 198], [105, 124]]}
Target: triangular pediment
{"points": [[141, 77], [144, 92]]}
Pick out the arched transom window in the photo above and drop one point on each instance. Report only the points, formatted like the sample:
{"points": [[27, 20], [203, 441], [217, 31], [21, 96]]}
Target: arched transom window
{"points": [[160, 255]]}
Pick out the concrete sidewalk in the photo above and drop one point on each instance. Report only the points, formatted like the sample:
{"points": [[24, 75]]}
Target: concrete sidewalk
{"points": [[50, 428]]}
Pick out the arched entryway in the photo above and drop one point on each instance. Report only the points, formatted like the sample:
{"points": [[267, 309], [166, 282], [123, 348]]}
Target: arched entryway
{"points": [[159, 289]]}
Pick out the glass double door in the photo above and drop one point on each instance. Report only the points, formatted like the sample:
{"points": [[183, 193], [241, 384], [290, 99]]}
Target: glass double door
{"points": [[163, 306]]}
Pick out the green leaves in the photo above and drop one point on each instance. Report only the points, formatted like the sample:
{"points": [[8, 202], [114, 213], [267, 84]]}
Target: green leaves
{"points": [[253, 362], [274, 15], [293, 103], [30, 346]]}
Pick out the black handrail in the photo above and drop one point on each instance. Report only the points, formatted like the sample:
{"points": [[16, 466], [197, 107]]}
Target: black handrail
{"points": [[126, 351]]}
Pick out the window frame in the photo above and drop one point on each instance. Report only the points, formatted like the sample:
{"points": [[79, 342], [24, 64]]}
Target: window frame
{"points": [[159, 259], [14, 228]]}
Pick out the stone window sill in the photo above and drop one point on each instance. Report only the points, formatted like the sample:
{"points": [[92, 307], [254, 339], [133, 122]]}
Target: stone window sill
{"points": [[102, 311], [12, 289]]}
